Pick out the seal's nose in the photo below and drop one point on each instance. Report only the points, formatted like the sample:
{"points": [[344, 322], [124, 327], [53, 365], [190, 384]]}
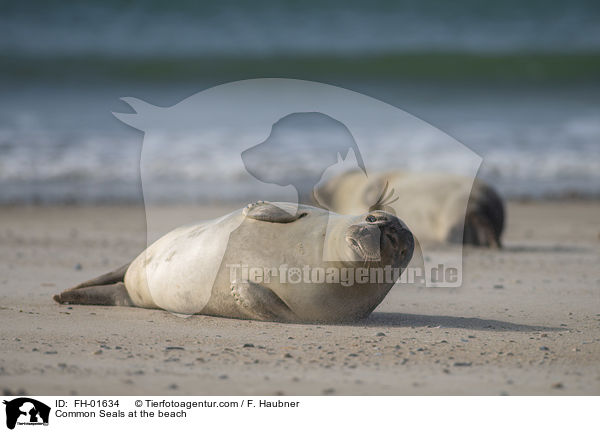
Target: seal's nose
{"points": [[399, 237], [403, 252], [408, 245]]}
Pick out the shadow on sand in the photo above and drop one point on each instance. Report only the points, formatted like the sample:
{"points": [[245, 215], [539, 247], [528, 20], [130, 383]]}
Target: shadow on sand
{"points": [[391, 319]]}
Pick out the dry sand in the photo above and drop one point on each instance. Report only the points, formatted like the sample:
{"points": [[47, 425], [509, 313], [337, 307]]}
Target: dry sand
{"points": [[526, 321]]}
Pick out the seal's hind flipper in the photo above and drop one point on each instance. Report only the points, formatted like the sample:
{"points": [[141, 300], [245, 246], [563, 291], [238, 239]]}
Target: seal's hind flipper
{"points": [[267, 212], [101, 295], [261, 303], [112, 277]]}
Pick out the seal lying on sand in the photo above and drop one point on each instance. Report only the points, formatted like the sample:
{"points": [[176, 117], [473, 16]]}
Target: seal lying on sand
{"points": [[436, 206], [200, 268]]}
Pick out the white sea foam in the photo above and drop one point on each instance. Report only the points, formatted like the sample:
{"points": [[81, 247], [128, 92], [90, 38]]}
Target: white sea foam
{"points": [[536, 162], [63, 144]]}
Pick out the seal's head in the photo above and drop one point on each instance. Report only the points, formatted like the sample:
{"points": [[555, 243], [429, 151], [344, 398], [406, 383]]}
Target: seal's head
{"points": [[380, 236]]}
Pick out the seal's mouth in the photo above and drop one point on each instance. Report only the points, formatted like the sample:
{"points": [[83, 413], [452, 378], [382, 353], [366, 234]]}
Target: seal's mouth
{"points": [[364, 251], [364, 243]]}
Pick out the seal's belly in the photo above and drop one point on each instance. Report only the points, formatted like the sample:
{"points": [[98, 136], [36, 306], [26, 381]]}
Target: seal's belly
{"points": [[178, 272]]}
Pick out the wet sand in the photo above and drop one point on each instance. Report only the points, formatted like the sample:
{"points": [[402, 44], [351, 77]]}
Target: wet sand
{"points": [[525, 321]]}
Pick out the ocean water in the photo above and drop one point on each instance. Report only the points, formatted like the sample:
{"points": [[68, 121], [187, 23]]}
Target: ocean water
{"points": [[516, 82], [263, 27]]}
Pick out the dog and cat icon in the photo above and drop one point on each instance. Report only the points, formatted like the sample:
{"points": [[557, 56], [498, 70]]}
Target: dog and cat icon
{"points": [[26, 411]]}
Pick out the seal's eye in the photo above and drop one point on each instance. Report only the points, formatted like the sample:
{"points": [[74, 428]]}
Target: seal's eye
{"points": [[371, 218]]}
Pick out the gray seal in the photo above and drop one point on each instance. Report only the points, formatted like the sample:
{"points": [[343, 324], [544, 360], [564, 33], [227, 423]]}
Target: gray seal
{"points": [[437, 207], [198, 268]]}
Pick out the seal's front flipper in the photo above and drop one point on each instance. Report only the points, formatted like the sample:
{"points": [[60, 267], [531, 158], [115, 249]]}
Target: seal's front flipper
{"points": [[267, 212], [101, 295], [261, 303]]}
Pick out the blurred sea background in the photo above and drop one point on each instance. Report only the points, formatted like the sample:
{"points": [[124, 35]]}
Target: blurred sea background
{"points": [[516, 81]]}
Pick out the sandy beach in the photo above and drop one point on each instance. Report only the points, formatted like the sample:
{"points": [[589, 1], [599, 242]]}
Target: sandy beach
{"points": [[526, 320]]}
